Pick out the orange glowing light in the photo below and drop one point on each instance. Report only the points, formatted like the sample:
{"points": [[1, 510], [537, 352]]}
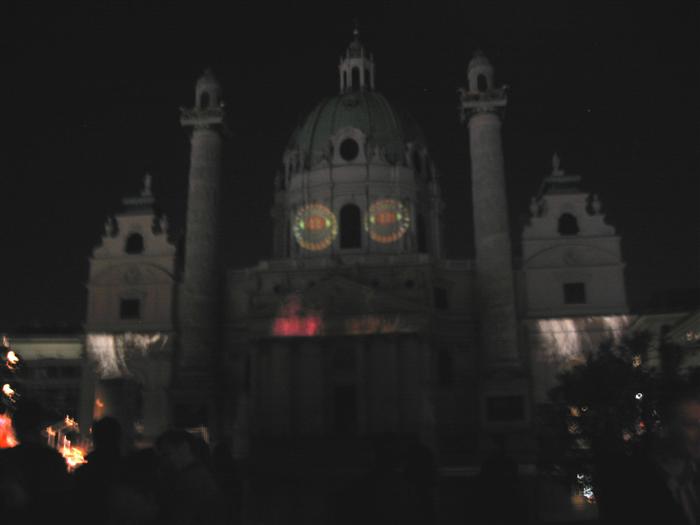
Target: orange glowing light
{"points": [[74, 456], [315, 222], [387, 220], [12, 359], [314, 227], [8, 391], [386, 217], [57, 438], [7, 434], [98, 409], [372, 324]]}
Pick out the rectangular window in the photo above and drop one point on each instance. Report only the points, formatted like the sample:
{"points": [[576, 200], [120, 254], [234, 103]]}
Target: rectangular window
{"points": [[440, 298], [130, 309], [444, 366], [345, 410], [574, 293], [505, 408]]}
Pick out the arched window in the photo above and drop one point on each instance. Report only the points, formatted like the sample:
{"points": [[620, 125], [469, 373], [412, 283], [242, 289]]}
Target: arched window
{"points": [[444, 366], [350, 227], [367, 78], [287, 239], [417, 165], [204, 100], [247, 374], [420, 231], [355, 79], [481, 83], [349, 149], [134, 244], [568, 225]]}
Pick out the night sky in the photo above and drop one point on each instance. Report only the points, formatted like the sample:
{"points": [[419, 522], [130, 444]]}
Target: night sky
{"points": [[93, 92]]}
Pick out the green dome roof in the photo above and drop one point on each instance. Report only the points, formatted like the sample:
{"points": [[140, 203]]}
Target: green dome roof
{"points": [[383, 124]]}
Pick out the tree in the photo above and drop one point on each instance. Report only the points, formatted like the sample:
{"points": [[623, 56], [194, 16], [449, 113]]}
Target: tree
{"points": [[609, 406]]}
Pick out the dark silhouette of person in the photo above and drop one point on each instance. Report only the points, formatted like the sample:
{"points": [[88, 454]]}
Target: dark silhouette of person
{"points": [[104, 488], [228, 478], [498, 484], [660, 482], [34, 481], [137, 493], [420, 470], [383, 495], [96, 479], [188, 492]]}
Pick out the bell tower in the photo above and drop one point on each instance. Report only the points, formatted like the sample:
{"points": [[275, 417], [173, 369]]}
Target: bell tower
{"points": [[572, 261], [482, 108], [129, 324], [199, 294], [503, 387]]}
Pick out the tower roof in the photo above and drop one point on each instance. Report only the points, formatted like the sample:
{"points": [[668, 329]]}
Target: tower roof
{"points": [[559, 181], [479, 59], [208, 79]]}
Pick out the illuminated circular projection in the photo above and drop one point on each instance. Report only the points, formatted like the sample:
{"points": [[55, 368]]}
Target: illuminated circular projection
{"points": [[387, 221], [315, 227]]}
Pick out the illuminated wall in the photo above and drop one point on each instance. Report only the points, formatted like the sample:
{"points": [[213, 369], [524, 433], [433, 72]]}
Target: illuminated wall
{"points": [[131, 377], [114, 354], [558, 343]]}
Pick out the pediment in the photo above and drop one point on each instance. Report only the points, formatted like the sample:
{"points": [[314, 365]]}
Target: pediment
{"points": [[341, 295], [132, 274], [340, 306], [573, 255]]}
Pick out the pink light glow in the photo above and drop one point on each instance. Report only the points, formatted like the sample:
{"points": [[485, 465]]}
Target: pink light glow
{"points": [[297, 326], [290, 322]]}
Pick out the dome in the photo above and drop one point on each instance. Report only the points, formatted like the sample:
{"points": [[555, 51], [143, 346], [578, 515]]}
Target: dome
{"points": [[384, 126]]}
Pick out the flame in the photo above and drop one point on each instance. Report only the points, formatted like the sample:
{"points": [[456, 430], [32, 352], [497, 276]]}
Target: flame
{"points": [[12, 359], [74, 456], [8, 391], [7, 434]]}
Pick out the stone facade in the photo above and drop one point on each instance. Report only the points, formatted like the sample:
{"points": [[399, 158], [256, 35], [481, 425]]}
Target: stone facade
{"points": [[358, 325]]}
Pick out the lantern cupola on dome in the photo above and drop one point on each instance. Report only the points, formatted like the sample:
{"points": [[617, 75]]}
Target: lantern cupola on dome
{"points": [[356, 68]]}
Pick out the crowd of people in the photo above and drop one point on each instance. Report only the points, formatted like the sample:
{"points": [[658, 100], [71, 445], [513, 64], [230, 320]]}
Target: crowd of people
{"points": [[180, 480], [177, 481]]}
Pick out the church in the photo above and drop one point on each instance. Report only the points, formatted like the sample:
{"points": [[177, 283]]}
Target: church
{"points": [[358, 325]]}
